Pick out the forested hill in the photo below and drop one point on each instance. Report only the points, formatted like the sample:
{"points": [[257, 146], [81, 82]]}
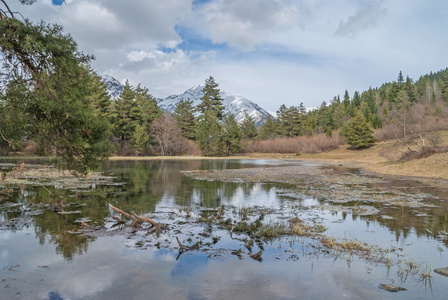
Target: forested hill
{"points": [[378, 105]]}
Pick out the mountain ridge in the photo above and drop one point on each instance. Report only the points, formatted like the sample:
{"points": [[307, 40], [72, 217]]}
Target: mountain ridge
{"points": [[237, 105]]}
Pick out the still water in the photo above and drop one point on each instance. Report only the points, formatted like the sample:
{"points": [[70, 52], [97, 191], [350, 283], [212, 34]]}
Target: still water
{"points": [[41, 258]]}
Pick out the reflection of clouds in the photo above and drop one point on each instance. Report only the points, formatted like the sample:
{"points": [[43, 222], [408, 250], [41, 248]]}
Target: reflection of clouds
{"points": [[4, 255], [81, 283], [254, 195]]}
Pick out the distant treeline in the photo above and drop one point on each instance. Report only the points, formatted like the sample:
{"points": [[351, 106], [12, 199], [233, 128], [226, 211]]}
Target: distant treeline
{"points": [[401, 109]]}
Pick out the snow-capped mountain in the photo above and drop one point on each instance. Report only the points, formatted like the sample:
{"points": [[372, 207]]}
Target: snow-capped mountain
{"points": [[113, 86], [237, 105]]}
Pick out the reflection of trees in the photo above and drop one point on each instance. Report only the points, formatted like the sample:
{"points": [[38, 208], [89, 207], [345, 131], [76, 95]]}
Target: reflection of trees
{"points": [[146, 184], [425, 221]]}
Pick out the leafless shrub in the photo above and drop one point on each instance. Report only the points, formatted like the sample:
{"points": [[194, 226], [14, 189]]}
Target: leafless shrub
{"points": [[435, 139], [425, 152], [167, 138], [30, 147], [189, 148], [303, 144], [125, 149]]}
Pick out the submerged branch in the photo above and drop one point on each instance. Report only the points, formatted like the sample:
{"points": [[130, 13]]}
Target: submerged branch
{"points": [[134, 216]]}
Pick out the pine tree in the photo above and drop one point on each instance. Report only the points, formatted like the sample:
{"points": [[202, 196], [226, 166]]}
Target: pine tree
{"points": [[248, 127], [148, 110], [445, 87], [410, 89], [268, 129], [211, 100], [184, 115], [346, 100], [289, 121], [339, 115], [209, 135], [357, 132], [140, 139], [231, 135], [127, 114], [50, 82]]}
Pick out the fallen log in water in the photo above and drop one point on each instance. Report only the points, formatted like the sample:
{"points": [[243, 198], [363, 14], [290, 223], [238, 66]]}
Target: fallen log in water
{"points": [[134, 216]]}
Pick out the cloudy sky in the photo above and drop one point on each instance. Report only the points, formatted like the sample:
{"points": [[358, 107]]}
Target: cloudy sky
{"points": [[270, 51]]}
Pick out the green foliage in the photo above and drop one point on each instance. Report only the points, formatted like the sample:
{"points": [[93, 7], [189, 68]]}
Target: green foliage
{"points": [[211, 100], [184, 115], [140, 139], [290, 120], [248, 128], [268, 129], [445, 87], [209, 135], [231, 135], [134, 112], [357, 132], [126, 114], [51, 85]]}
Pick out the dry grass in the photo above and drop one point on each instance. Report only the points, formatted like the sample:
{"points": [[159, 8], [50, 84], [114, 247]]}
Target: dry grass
{"points": [[302, 144], [383, 158]]}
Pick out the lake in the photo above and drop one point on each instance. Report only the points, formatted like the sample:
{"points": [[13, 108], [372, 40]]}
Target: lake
{"points": [[47, 253]]}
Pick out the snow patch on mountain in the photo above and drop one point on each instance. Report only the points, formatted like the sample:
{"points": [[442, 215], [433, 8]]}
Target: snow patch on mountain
{"points": [[113, 86], [236, 105]]}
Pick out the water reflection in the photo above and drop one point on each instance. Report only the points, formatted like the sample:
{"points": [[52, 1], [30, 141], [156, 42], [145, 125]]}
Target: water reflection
{"points": [[55, 263]]}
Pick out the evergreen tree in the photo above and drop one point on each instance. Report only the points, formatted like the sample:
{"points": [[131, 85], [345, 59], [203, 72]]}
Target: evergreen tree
{"points": [[356, 99], [346, 100], [339, 115], [268, 129], [140, 139], [183, 113], [445, 87], [289, 121], [209, 135], [409, 87], [148, 110], [400, 79], [50, 81], [231, 135], [357, 132], [99, 96], [248, 127], [211, 100], [127, 114]]}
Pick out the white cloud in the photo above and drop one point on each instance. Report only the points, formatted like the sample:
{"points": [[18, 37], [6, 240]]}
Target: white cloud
{"points": [[244, 24], [281, 51], [367, 17]]}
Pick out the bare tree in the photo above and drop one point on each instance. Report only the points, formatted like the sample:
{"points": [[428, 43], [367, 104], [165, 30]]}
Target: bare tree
{"points": [[166, 136]]}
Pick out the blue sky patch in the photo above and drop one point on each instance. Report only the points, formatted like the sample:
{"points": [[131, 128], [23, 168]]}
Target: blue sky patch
{"points": [[57, 2], [193, 41], [198, 3]]}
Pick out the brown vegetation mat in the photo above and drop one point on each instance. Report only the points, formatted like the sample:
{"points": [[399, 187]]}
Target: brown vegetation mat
{"points": [[24, 174], [337, 184]]}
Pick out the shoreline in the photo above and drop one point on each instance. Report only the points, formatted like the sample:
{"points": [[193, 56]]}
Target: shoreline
{"points": [[372, 160]]}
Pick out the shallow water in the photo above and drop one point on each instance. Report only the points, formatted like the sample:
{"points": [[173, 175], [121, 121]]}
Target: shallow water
{"points": [[40, 260]]}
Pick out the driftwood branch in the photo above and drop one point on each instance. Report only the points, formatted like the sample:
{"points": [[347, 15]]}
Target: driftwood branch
{"points": [[134, 216], [121, 212]]}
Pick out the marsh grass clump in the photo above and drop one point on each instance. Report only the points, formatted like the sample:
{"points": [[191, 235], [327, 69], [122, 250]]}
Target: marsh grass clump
{"points": [[360, 248]]}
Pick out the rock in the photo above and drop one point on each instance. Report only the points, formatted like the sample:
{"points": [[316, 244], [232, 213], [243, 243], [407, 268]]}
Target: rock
{"points": [[391, 288], [442, 271]]}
